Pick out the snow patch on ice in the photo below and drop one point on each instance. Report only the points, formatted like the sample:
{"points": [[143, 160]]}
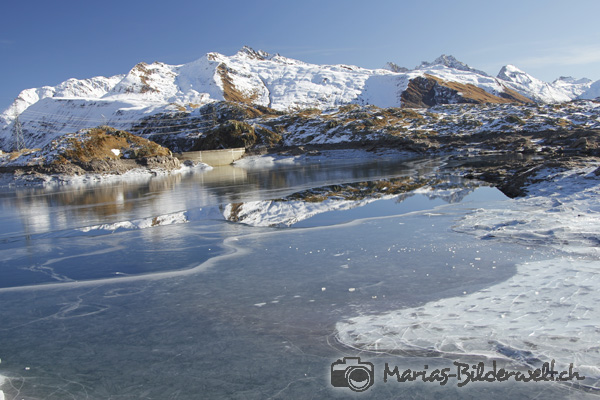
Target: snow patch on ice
{"points": [[264, 161], [287, 213], [548, 310], [180, 217], [167, 219], [547, 307], [562, 210]]}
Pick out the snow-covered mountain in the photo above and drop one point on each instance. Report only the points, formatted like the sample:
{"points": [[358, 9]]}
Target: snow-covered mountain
{"points": [[561, 90], [574, 87], [264, 79], [450, 62], [592, 92]]}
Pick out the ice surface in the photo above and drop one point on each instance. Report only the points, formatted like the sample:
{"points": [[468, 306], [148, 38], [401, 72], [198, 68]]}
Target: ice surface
{"points": [[562, 211], [348, 156], [548, 310], [252, 299]]}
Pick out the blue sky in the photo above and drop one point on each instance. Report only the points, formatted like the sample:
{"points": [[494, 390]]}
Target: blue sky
{"points": [[47, 42]]}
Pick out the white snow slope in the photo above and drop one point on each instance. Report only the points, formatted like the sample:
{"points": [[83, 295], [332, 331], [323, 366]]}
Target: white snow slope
{"points": [[269, 80], [561, 90]]}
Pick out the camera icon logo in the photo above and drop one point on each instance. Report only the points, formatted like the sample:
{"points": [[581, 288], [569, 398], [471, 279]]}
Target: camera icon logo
{"points": [[352, 373]]}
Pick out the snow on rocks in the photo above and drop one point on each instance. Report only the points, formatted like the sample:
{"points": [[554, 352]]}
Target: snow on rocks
{"points": [[250, 76]]}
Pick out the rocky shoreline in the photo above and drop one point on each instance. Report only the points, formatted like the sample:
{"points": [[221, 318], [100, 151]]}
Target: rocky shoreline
{"points": [[104, 167], [508, 160], [526, 155]]}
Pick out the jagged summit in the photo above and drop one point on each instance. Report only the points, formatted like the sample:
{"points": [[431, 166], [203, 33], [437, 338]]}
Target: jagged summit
{"points": [[252, 54], [450, 62], [561, 90], [264, 79], [571, 80], [511, 73], [390, 66]]}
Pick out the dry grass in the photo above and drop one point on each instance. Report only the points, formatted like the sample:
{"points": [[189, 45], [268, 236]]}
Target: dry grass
{"points": [[420, 93], [348, 107], [13, 155], [235, 212], [98, 144], [472, 92], [230, 92], [144, 77], [405, 113], [514, 119], [519, 98], [359, 190], [308, 112], [179, 107], [230, 135]]}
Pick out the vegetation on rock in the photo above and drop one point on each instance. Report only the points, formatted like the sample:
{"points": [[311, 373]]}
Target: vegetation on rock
{"points": [[106, 143]]}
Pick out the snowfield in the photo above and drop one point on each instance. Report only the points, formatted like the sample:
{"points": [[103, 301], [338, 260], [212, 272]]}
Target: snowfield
{"points": [[274, 81]]}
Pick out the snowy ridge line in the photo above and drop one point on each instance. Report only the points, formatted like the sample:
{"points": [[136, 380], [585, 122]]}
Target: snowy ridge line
{"points": [[144, 223], [254, 77], [286, 219]]}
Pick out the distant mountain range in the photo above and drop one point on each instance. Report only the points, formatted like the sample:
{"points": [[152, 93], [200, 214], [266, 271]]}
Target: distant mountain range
{"points": [[274, 81]]}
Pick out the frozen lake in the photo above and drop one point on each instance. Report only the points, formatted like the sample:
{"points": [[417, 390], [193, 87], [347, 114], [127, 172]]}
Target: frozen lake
{"points": [[144, 290]]}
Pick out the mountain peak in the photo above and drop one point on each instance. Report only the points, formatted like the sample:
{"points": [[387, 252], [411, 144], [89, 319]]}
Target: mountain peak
{"points": [[395, 67], [249, 52], [511, 73], [450, 62], [571, 80]]}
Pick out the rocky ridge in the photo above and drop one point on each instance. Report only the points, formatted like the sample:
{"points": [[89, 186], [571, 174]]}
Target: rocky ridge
{"points": [[266, 80]]}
